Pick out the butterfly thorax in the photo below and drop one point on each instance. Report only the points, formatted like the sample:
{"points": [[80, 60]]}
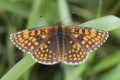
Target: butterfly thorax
{"points": [[60, 31], [59, 24]]}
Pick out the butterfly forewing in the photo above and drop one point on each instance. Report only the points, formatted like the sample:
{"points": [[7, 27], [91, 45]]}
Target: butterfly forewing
{"points": [[28, 40], [88, 38]]}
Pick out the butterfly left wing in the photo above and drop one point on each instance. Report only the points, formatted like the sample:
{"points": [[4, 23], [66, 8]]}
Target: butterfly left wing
{"points": [[40, 42]]}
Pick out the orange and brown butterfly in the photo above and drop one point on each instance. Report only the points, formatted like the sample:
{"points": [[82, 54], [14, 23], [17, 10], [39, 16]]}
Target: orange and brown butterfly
{"points": [[52, 44]]}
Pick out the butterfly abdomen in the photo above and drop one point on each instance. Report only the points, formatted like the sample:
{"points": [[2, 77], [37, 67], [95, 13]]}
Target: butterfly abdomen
{"points": [[60, 41]]}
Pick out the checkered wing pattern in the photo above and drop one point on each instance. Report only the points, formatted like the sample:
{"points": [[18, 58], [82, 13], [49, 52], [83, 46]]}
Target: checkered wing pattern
{"points": [[74, 53], [34, 41], [83, 38], [47, 52]]}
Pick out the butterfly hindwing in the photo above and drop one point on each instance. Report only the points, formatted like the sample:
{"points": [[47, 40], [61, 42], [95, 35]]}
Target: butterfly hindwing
{"points": [[47, 52], [74, 53]]}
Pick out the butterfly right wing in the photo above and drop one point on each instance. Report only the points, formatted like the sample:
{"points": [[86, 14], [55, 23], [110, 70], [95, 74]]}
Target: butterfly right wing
{"points": [[89, 38], [79, 41]]}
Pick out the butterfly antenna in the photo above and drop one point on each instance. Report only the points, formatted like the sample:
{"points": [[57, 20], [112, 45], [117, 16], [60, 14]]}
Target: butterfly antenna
{"points": [[74, 11], [48, 19]]}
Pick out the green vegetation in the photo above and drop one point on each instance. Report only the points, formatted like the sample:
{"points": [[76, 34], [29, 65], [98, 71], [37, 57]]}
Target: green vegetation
{"points": [[102, 64]]}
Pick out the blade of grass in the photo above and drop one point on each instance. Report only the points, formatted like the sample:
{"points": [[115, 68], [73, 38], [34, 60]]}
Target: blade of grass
{"points": [[35, 13], [99, 10], [112, 74], [91, 57], [14, 8], [107, 62], [86, 14], [115, 9], [19, 68], [25, 63], [26, 75], [107, 23], [10, 48], [64, 12], [78, 70]]}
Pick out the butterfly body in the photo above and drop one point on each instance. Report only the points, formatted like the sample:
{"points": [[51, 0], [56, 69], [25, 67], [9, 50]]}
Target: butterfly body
{"points": [[69, 44]]}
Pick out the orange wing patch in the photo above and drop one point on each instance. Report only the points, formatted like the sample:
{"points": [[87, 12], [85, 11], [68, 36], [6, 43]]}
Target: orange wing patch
{"points": [[28, 40], [89, 38]]}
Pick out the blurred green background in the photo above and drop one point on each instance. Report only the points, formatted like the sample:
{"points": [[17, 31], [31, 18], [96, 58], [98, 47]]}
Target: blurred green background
{"points": [[15, 15]]}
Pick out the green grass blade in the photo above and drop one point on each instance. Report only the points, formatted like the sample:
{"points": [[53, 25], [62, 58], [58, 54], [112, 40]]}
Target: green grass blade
{"points": [[99, 10], [85, 14], [64, 12], [35, 13], [25, 63], [78, 70], [107, 62], [113, 74], [10, 48], [19, 68], [14, 8], [115, 9], [107, 23]]}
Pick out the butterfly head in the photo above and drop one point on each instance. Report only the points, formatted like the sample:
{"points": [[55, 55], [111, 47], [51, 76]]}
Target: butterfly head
{"points": [[59, 23]]}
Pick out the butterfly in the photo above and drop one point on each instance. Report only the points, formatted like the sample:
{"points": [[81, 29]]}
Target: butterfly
{"points": [[51, 44]]}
